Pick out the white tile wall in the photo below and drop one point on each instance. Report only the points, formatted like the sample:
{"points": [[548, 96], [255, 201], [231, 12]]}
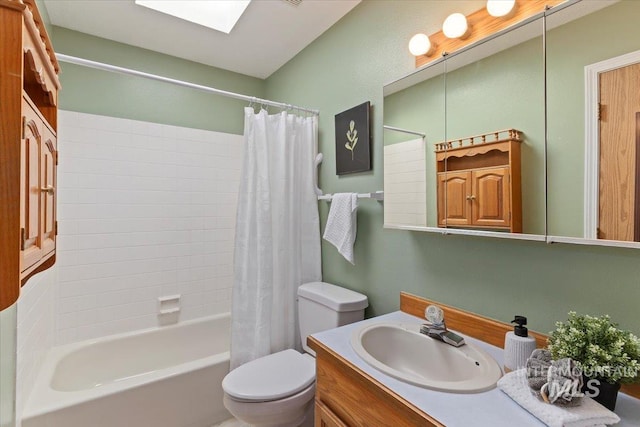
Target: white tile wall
{"points": [[8, 328], [36, 331], [405, 185], [145, 210]]}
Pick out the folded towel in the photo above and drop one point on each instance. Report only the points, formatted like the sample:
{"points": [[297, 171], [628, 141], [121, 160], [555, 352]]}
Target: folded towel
{"points": [[589, 414], [341, 225]]}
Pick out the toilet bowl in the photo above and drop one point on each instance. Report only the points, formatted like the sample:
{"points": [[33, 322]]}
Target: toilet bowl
{"points": [[275, 390], [278, 390]]}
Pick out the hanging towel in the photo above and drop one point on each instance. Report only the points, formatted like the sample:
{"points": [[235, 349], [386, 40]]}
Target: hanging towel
{"points": [[341, 226], [589, 414]]}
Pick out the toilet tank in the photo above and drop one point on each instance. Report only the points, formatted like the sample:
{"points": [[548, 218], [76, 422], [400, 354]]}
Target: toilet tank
{"points": [[323, 306]]}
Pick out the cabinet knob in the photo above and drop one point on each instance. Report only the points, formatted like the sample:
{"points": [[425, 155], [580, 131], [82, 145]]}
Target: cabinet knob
{"points": [[48, 189], [471, 198]]}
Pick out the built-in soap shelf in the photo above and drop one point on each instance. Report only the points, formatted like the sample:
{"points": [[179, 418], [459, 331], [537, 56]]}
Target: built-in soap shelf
{"points": [[169, 304]]}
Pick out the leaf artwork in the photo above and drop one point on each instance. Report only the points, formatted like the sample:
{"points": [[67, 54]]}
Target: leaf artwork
{"points": [[352, 137]]}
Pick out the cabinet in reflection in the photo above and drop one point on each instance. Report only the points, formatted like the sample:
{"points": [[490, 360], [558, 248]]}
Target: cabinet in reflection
{"points": [[479, 182]]}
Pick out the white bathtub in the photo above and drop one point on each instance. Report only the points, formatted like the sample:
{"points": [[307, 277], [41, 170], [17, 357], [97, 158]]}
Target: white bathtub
{"points": [[162, 377]]}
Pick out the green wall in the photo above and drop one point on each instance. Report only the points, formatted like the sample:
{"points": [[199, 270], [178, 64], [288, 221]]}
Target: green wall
{"points": [[118, 95], [348, 65]]}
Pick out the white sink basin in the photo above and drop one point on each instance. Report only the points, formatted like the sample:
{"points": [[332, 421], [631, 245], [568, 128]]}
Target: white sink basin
{"points": [[401, 351]]}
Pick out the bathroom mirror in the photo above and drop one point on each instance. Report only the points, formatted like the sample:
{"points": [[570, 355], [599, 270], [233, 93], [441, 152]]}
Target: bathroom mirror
{"points": [[416, 107], [495, 127], [593, 58], [460, 102]]}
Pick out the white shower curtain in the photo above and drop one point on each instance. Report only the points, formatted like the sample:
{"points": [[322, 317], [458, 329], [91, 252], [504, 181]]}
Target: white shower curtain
{"points": [[277, 245]]}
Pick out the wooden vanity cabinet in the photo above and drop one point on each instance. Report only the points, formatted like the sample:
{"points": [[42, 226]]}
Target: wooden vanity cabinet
{"points": [[347, 397], [478, 183], [325, 418], [29, 88]]}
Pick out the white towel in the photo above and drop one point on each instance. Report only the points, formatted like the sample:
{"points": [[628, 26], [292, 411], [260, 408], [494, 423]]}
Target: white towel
{"points": [[589, 414], [341, 225]]}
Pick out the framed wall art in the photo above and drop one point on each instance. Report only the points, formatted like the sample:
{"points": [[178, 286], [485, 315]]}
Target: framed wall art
{"points": [[353, 141]]}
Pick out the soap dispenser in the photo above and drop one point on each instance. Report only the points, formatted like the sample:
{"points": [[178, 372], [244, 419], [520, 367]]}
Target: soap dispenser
{"points": [[518, 345]]}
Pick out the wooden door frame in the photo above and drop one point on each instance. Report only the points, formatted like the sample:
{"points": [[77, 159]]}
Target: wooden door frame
{"points": [[592, 135]]}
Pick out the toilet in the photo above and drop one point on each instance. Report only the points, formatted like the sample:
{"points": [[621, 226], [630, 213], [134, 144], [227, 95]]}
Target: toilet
{"points": [[277, 390]]}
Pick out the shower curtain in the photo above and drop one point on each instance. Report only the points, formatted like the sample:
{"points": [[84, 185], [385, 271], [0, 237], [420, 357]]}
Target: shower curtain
{"points": [[277, 244]]}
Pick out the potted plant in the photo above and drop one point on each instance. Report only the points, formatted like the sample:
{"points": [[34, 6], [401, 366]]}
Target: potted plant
{"points": [[607, 355]]}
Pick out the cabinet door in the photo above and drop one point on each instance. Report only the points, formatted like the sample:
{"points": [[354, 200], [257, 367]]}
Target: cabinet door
{"points": [[48, 190], [454, 198], [325, 418], [491, 197], [30, 194]]}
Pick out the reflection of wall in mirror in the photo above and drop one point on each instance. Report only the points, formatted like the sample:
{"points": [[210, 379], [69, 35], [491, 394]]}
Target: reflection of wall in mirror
{"points": [[418, 108], [606, 33]]}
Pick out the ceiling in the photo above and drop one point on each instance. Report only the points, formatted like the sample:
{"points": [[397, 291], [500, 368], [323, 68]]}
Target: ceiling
{"points": [[268, 34]]}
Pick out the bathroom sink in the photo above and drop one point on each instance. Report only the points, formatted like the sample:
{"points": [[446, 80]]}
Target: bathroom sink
{"points": [[401, 351]]}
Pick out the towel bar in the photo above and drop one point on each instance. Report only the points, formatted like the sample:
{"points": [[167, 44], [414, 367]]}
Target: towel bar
{"points": [[377, 195]]}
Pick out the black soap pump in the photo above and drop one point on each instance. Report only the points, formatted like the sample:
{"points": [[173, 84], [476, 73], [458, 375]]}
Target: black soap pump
{"points": [[518, 345]]}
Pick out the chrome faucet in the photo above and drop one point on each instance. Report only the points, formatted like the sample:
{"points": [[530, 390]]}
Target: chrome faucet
{"points": [[436, 328]]}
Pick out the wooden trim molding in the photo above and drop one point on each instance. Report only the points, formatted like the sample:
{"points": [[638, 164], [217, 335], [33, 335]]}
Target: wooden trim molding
{"points": [[476, 326], [483, 328], [483, 25]]}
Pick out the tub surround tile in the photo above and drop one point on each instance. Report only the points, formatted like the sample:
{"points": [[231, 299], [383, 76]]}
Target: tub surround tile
{"points": [[35, 331], [136, 222]]}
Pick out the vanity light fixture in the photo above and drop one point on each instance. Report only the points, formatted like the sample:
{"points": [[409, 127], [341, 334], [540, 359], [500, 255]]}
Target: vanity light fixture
{"points": [[459, 31], [456, 26], [501, 8], [421, 45]]}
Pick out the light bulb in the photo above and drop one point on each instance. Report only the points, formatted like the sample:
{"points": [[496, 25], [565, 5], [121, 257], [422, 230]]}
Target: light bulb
{"points": [[455, 26], [500, 8], [420, 45]]}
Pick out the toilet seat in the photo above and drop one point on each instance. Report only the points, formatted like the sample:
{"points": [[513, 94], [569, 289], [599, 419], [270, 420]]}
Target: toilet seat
{"points": [[273, 377]]}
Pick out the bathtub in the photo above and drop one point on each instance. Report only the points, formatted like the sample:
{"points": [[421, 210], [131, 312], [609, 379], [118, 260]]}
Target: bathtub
{"points": [[169, 376]]}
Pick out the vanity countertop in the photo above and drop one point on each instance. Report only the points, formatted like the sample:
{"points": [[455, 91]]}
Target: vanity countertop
{"points": [[490, 408]]}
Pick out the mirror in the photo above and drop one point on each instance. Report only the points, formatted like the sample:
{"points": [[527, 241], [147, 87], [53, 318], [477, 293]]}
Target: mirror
{"points": [[477, 180], [593, 56], [409, 160], [496, 178]]}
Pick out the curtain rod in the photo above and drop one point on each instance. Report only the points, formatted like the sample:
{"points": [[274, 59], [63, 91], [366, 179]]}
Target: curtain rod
{"points": [[113, 68], [412, 132]]}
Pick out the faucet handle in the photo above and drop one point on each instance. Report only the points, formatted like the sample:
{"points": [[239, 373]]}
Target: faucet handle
{"points": [[434, 315]]}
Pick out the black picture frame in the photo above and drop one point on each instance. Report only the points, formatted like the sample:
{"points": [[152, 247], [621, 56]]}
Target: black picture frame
{"points": [[353, 140]]}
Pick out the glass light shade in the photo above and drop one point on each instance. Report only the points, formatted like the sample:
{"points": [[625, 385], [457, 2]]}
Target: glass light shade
{"points": [[500, 8], [420, 45], [455, 26]]}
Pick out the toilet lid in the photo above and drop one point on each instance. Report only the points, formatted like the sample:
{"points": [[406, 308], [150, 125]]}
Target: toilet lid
{"points": [[272, 377]]}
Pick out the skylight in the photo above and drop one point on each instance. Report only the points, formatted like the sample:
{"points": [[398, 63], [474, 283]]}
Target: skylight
{"points": [[221, 15]]}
